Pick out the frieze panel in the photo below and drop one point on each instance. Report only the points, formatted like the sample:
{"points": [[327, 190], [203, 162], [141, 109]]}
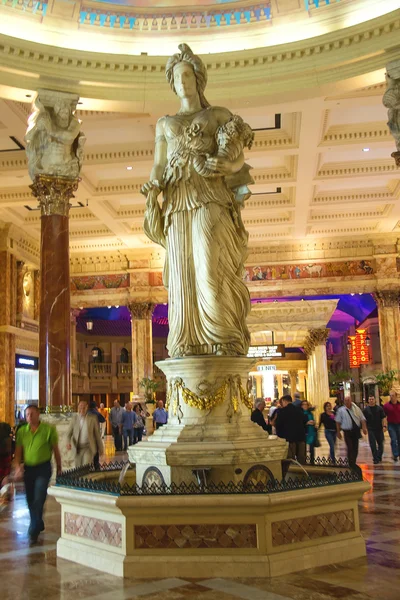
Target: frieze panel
{"points": [[310, 271], [180, 537], [100, 282]]}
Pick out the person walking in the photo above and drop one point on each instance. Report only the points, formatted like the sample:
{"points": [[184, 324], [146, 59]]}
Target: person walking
{"points": [[327, 419], [128, 423], [376, 426], [115, 418], [350, 419], [392, 411], [160, 415], [290, 424], [311, 431], [103, 426], [93, 410], [83, 436], [138, 426], [36, 443], [258, 417]]}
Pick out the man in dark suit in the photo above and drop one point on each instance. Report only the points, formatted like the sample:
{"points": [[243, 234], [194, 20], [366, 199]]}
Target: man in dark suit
{"points": [[258, 417], [290, 425]]}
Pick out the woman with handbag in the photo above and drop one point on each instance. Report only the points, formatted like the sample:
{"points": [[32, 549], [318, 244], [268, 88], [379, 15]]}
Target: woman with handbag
{"points": [[311, 432]]}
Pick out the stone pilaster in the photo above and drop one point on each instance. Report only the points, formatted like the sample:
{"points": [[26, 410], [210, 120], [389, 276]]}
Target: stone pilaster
{"points": [[389, 328], [8, 288], [279, 382], [20, 290], [142, 343]]}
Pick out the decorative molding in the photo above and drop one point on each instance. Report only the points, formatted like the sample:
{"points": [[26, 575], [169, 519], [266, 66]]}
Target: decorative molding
{"points": [[338, 135], [352, 196], [359, 168], [366, 214], [304, 529], [54, 194], [185, 536]]}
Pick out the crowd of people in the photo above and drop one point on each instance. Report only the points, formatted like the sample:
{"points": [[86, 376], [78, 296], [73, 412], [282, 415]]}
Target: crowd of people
{"points": [[295, 421]]}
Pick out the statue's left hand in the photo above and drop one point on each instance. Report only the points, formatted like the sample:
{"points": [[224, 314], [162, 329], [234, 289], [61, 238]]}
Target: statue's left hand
{"points": [[219, 166]]}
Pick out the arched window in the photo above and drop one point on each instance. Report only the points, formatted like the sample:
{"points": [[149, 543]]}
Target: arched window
{"points": [[97, 354], [124, 356]]}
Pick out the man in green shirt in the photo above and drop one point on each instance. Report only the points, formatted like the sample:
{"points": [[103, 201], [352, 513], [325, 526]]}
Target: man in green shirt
{"points": [[35, 445]]}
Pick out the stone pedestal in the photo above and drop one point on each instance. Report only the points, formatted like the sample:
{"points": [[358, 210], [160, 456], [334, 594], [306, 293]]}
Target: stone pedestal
{"points": [[209, 427]]}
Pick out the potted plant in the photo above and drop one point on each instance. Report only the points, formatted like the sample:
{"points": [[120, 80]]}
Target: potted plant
{"points": [[150, 386], [385, 382]]}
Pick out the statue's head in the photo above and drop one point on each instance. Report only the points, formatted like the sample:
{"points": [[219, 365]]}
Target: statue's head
{"points": [[62, 111], [184, 70]]}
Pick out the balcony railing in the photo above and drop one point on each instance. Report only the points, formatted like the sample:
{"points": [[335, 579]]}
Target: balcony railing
{"points": [[124, 369], [100, 370]]}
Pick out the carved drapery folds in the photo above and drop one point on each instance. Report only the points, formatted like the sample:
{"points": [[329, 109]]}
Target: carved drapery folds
{"points": [[391, 99]]}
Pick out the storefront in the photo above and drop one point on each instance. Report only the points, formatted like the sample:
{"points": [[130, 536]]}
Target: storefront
{"points": [[26, 383]]}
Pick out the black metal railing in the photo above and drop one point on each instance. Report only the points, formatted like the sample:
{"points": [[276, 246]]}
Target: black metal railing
{"points": [[79, 479]]}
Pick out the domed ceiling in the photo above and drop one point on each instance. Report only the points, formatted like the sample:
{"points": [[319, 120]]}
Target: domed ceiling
{"points": [[155, 27]]}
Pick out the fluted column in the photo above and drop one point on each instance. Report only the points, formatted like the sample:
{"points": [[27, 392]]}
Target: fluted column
{"points": [[54, 151], [293, 381], [315, 345], [302, 382], [259, 390], [20, 290], [389, 328], [279, 381], [142, 343]]}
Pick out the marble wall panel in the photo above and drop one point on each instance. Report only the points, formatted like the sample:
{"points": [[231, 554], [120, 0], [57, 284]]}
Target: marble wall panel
{"points": [[304, 529], [195, 536], [98, 530]]}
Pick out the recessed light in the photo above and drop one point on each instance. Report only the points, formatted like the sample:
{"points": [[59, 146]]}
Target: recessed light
{"points": [[365, 149], [117, 306], [129, 168], [108, 306], [28, 95]]}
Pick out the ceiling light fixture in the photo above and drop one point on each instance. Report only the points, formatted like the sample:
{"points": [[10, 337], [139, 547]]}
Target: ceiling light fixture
{"points": [[89, 325], [129, 168], [365, 149]]}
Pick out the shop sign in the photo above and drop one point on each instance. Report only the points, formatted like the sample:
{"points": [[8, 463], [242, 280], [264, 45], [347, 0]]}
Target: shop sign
{"points": [[266, 368], [276, 351], [26, 362], [358, 349]]}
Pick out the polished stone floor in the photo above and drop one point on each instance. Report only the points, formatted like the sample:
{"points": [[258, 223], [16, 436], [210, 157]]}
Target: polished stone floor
{"points": [[36, 573]]}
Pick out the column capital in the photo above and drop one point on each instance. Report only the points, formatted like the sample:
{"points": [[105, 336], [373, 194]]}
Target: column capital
{"points": [[391, 99], [387, 298], [141, 310], [293, 372], [54, 194], [316, 337]]}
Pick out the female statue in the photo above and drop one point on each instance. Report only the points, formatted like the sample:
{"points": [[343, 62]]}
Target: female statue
{"points": [[198, 166]]}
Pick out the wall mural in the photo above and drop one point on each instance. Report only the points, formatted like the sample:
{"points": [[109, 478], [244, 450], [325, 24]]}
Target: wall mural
{"points": [[99, 282], [310, 271]]}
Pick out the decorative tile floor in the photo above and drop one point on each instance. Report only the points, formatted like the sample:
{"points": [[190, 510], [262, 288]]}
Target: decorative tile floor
{"points": [[36, 573]]}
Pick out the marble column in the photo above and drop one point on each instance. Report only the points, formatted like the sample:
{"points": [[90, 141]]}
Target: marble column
{"points": [[55, 152], [318, 368], [36, 295], [8, 287], [302, 382], [391, 99], [259, 390], [293, 381], [279, 381], [142, 343], [389, 328]]}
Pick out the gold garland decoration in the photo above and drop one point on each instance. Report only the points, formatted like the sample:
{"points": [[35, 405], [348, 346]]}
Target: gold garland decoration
{"points": [[209, 401]]}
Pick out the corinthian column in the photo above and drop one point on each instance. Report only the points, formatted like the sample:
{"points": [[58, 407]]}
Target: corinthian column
{"points": [[142, 343], [315, 346], [54, 150], [389, 328], [293, 381]]}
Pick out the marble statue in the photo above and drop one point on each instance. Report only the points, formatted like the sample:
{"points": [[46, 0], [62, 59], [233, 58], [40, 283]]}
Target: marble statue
{"points": [[199, 167], [391, 99], [53, 138]]}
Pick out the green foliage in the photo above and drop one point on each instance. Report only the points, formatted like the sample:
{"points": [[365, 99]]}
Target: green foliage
{"points": [[339, 377], [150, 386], [385, 381]]}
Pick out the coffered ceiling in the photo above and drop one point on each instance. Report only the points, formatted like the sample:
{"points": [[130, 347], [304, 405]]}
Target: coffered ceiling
{"points": [[322, 169]]}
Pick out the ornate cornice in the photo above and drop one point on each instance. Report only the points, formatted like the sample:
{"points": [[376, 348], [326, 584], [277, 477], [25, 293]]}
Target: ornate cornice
{"points": [[354, 134], [356, 169], [340, 54]]}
